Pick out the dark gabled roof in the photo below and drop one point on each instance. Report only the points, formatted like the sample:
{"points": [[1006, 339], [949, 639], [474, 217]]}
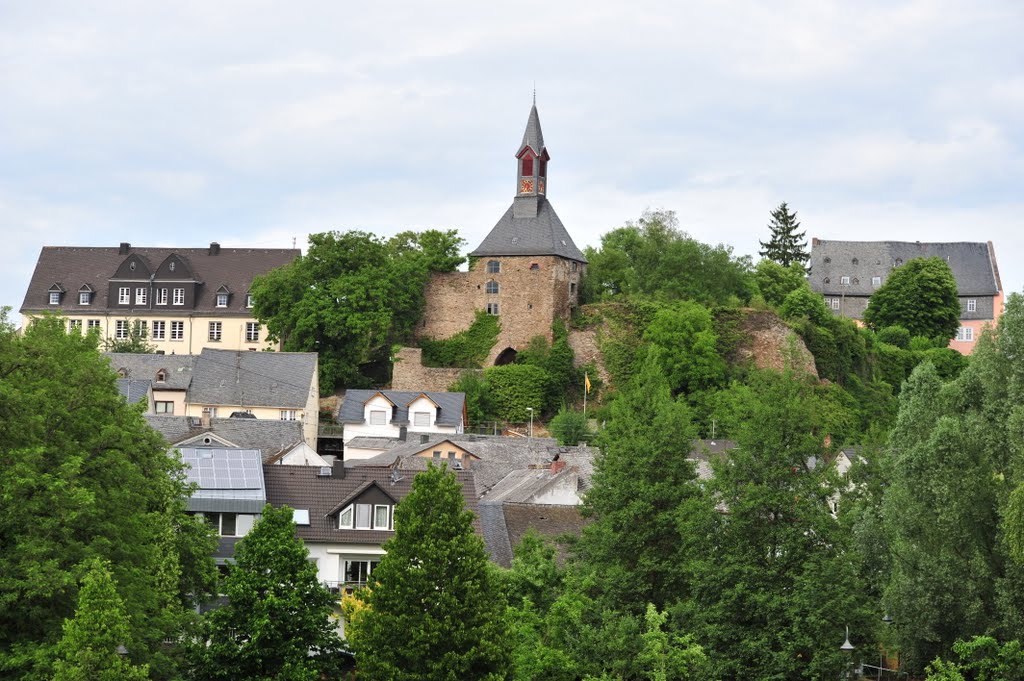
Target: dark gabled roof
{"points": [[270, 436], [144, 367], [75, 266], [229, 480], [133, 391], [358, 492], [506, 523], [253, 379], [452, 405], [973, 264], [301, 487], [540, 235]]}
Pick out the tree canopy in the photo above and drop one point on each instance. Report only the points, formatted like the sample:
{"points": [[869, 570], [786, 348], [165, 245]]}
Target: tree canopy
{"points": [[920, 296], [785, 246], [351, 296]]}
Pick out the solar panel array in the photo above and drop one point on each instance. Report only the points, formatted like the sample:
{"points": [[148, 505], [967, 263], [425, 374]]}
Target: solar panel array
{"points": [[224, 469]]}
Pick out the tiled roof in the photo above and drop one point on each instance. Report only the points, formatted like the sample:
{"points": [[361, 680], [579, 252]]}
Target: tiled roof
{"points": [[451, 404], [133, 391], [506, 531], [270, 436], [540, 235], [253, 379], [973, 264], [143, 366], [74, 267], [301, 487]]}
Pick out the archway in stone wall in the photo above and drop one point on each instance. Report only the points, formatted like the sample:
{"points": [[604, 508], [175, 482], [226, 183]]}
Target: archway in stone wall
{"points": [[507, 356]]}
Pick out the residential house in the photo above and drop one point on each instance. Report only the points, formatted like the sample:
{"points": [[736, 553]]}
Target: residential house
{"points": [[274, 439], [847, 273], [395, 414], [169, 375], [231, 493], [505, 523], [135, 392], [184, 299]]}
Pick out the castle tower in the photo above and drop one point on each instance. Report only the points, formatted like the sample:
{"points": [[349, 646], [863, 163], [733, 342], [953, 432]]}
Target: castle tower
{"points": [[526, 270]]}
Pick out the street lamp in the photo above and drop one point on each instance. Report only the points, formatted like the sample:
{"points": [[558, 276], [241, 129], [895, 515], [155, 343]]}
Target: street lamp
{"points": [[847, 649], [530, 409]]}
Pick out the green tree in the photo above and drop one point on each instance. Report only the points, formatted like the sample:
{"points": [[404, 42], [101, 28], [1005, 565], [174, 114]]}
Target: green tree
{"points": [[775, 282], [515, 389], [666, 656], [688, 347], [84, 477], [920, 296], [569, 427], [982, 658], [137, 340], [803, 302], [97, 640], [479, 407], [277, 622], [435, 610], [786, 246], [351, 296], [771, 583]]}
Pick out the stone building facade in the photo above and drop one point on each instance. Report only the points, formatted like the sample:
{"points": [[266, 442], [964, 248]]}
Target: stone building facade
{"points": [[526, 271]]}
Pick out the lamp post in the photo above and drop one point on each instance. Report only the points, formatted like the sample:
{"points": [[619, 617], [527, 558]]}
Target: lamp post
{"points": [[847, 649], [530, 409]]}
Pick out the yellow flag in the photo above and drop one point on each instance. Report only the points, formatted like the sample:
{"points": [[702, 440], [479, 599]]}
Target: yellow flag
{"points": [[586, 382]]}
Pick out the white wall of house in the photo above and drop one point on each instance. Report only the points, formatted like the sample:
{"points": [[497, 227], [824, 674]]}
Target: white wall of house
{"points": [[563, 492], [377, 422]]}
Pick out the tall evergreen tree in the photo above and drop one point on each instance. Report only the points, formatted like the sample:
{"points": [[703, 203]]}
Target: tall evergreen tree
{"points": [[435, 609], [786, 245], [277, 621]]}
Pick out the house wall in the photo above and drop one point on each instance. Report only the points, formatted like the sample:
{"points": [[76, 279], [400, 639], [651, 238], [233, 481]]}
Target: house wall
{"points": [[196, 331], [562, 492], [528, 300], [389, 429], [175, 397]]}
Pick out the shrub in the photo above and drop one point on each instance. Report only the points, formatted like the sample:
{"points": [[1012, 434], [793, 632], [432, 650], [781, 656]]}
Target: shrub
{"points": [[895, 335], [466, 349], [514, 388]]}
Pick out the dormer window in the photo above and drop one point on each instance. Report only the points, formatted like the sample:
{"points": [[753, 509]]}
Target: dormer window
{"points": [[161, 376], [222, 300], [493, 266], [54, 297], [84, 298], [361, 516], [249, 300]]}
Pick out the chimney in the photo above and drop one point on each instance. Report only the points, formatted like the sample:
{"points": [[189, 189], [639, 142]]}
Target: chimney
{"points": [[214, 248], [557, 466], [403, 433], [424, 438], [815, 241], [125, 248], [338, 468], [205, 419]]}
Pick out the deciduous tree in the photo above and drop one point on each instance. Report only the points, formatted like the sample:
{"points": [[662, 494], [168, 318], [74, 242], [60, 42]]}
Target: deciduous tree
{"points": [[920, 296]]}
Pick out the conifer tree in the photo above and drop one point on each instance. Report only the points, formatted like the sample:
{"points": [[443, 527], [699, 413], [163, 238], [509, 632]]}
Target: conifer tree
{"points": [[435, 609], [786, 245]]}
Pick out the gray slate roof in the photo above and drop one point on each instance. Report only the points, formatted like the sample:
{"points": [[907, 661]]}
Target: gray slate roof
{"points": [[533, 137], [75, 266], [144, 367], [301, 487], [229, 480], [541, 235], [370, 442], [253, 379], [451, 404], [505, 524], [133, 391], [269, 436], [520, 486], [973, 264]]}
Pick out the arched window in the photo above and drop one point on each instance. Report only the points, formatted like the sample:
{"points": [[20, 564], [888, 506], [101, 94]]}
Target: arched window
{"points": [[493, 267], [492, 287]]}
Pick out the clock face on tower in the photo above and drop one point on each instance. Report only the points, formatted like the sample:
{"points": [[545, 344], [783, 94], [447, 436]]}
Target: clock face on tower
{"points": [[526, 186]]}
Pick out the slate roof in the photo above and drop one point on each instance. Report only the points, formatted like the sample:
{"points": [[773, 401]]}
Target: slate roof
{"points": [[133, 391], [702, 452], [269, 436], [973, 264], [520, 486], [141, 366], [450, 414], [533, 137], [75, 266], [541, 235], [301, 487], [371, 442], [229, 480], [505, 524], [253, 379]]}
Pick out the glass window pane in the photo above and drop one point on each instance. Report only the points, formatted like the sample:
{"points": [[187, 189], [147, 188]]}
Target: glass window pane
{"points": [[380, 517], [362, 516]]}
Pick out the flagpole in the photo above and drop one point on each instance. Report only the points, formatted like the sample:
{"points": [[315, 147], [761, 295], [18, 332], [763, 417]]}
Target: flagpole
{"points": [[586, 381]]}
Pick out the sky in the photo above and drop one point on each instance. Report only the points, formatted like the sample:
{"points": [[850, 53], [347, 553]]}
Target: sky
{"points": [[257, 123]]}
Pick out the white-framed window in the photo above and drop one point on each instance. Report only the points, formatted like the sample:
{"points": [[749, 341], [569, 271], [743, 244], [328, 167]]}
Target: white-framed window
{"points": [[421, 419], [92, 324], [359, 571], [121, 329], [222, 300], [360, 516], [215, 331], [124, 295], [493, 266], [177, 331], [164, 407], [345, 518], [54, 297], [210, 411], [492, 309], [226, 524], [492, 287], [179, 296], [381, 517], [252, 332], [972, 305], [965, 334], [249, 300], [363, 519], [159, 330], [140, 296], [378, 417], [84, 298], [844, 281], [161, 296], [142, 328], [876, 281], [289, 414], [74, 326]]}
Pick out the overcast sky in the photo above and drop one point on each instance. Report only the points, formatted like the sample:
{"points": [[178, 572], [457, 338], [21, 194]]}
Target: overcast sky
{"points": [[256, 123]]}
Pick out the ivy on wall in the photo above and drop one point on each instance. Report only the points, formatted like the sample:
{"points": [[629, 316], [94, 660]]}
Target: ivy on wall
{"points": [[467, 349]]}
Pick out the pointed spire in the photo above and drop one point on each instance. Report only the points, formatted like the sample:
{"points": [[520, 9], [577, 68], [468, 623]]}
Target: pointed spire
{"points": [[533, 137]]}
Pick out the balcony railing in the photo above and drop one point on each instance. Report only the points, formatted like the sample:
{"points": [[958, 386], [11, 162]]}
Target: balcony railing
{"points": [[345, 587], [330, 430]]}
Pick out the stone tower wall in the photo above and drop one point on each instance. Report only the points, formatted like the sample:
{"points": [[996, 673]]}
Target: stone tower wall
{"points": [[410, 375], [532, 292]]}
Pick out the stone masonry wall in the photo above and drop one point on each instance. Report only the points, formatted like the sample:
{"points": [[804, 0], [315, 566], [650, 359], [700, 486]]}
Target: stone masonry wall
{"points": [[410, 374]]}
